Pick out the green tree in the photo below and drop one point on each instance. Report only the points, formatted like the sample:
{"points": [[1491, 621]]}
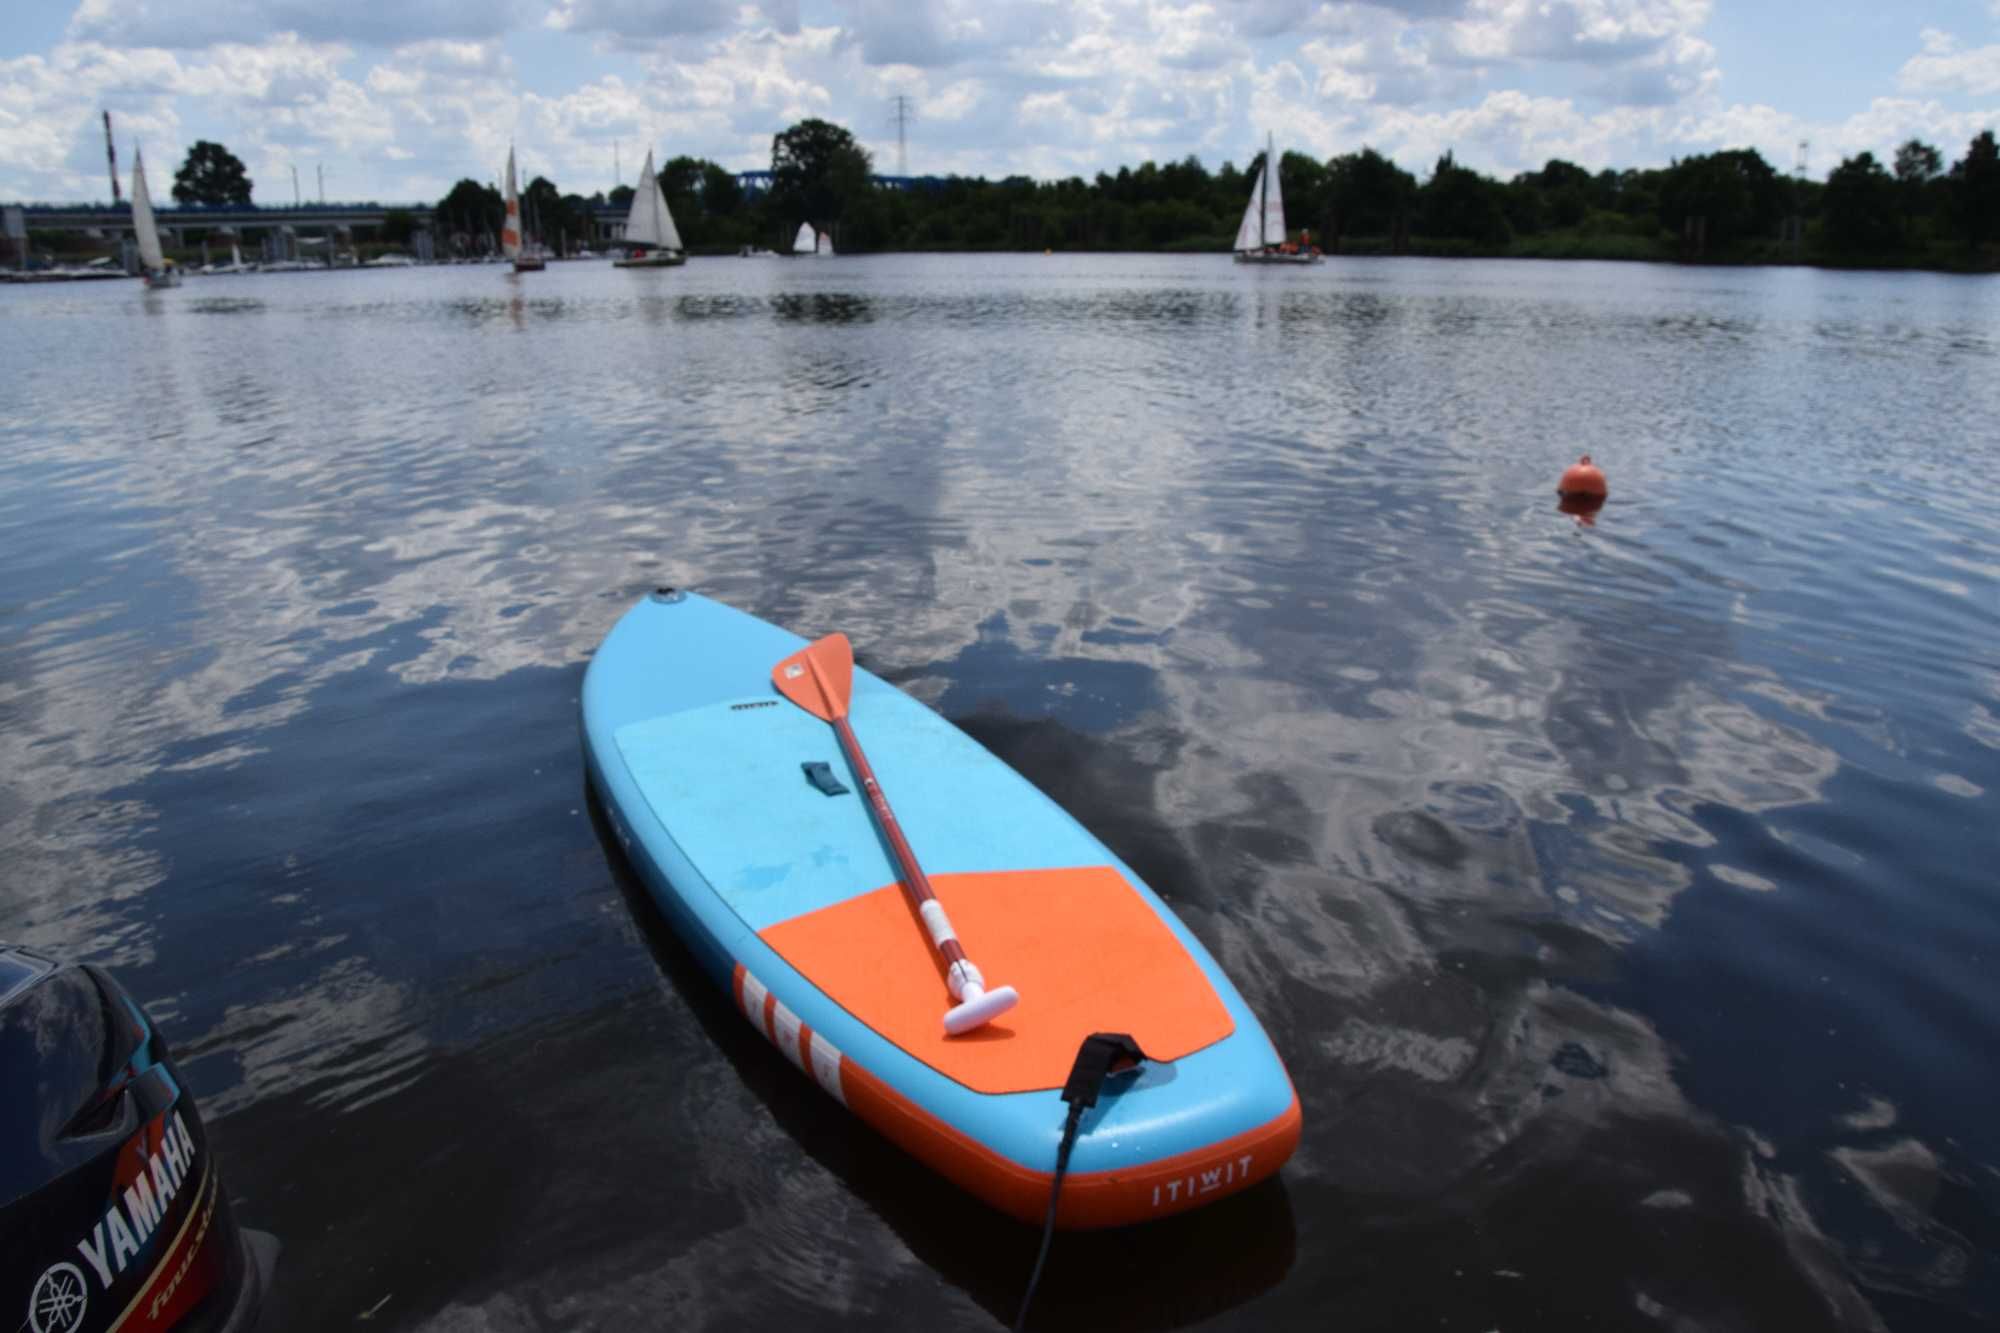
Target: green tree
{"points": [[1975, 190], [816, 168], [471, 214], [1735, 195], [1860, 207], [1918, 167], [721, 192], [1303, 180], [1918, 162], [1457, 203], [680, 182], [398, 225], [1564, 190], [1368, 195], [211, 175], [544, 213]]}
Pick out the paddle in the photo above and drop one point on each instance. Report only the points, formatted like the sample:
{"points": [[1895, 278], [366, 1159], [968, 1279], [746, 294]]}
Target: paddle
{"points": [[820, 679]]}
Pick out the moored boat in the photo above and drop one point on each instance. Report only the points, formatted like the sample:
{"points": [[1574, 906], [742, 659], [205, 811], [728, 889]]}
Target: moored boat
{"points": [[113, 1215]]}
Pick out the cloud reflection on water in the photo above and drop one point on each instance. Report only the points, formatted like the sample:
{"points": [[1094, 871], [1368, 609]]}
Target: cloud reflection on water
{"points": [[1415, 755]]}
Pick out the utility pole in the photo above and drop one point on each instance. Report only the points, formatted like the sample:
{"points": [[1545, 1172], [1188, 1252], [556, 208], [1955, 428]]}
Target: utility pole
{"points": [[904, 112], [295, 185], [111, 156]]}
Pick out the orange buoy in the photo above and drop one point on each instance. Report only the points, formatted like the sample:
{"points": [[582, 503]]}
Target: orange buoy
{"points": [[1582, 508], [1584, 479]]}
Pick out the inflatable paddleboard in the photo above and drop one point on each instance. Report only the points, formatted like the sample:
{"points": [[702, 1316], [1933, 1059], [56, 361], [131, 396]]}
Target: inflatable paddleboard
{"points": [[741, 812]]}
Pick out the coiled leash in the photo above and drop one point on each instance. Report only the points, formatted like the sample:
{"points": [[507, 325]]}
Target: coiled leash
{"points": [[1102, 1055]]}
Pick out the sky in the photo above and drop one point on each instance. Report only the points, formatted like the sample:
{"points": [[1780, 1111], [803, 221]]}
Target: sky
{"points": [[393, 100]]}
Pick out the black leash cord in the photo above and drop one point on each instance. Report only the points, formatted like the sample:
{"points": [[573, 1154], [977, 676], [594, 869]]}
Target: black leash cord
{"points": [[1049, 1223], [1101, 1054]]}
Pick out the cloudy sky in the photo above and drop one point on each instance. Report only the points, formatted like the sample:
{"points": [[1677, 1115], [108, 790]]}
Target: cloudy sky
{"points": [[395, 99]]}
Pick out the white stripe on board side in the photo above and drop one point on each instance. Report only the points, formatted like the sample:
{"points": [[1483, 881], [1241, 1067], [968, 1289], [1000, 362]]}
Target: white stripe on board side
{"points": [[936, 922], [753, 1002], [826, 1067], [785, 1025]]}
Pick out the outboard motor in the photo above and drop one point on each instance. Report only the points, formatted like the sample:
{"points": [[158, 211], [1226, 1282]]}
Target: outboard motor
{"points": [[112, 1214]]}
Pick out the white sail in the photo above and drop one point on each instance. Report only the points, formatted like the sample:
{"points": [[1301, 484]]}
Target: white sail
{"points": [[151, 256], [807, 241], [650, 223], [510, 230], [1247, 236], [670, 235], [1264, 216], [826, 243], [1274, 197]]}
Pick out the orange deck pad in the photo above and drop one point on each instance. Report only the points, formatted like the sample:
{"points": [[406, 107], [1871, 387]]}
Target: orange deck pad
{"points": [[1086, 952]]}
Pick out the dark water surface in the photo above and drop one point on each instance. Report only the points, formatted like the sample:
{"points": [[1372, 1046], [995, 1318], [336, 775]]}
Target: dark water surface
{"points": [[1623, 898]]}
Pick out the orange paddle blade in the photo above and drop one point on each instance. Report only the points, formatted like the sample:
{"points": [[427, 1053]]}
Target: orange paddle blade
{"points": [[819, 677]]}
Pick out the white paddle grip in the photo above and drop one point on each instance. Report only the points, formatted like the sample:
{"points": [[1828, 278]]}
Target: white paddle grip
{"points": [[938, 924], [980, 1007]]}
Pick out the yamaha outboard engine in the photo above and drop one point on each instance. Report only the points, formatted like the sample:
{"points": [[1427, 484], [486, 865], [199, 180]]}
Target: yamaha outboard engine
{"points": [[112, 1214]]}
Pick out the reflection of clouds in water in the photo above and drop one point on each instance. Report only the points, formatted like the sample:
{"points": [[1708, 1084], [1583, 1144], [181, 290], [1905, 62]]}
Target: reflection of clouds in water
{"points": [[1423, 746], [304, 1041]]}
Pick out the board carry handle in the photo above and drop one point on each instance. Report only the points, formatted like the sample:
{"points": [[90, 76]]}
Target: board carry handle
{"points": [[820, 679]]}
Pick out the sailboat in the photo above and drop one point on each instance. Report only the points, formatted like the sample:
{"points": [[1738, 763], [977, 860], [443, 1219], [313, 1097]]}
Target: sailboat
{"points": [[651, 239], [235, 264], [1261, 237], [527, 258], [153, 266], [812, 243]]}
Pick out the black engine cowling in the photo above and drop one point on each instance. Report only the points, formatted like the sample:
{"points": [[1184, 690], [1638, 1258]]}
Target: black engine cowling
{"points": [[112, 1213]]}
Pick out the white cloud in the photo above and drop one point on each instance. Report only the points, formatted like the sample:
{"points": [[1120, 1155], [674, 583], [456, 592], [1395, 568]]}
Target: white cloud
{"points": [[400, 99], [644, 19], [1372, 55], [954, 101], [1566, 30], [193, 24], [1680, 69], [1510, 131], [1943, 67]]}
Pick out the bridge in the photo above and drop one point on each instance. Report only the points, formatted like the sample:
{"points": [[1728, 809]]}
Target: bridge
{"points": [[279, 227], [236, 217]]}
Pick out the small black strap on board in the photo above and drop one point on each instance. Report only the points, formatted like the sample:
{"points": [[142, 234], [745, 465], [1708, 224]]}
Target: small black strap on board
{"points": [[820, 774], [1102, 1055]]}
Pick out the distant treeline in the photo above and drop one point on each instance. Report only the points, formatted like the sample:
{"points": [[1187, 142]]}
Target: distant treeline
{"points": [[1725, 207]]}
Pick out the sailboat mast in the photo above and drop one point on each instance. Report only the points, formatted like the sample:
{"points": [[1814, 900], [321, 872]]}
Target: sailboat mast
{"points": [[1264, 194]]}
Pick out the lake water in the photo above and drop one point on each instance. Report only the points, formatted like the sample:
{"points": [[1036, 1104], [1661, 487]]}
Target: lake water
{"points": [[1622, 897]]}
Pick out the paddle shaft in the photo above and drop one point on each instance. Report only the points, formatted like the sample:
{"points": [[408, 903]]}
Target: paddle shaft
{"points": [[915, 882]]}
